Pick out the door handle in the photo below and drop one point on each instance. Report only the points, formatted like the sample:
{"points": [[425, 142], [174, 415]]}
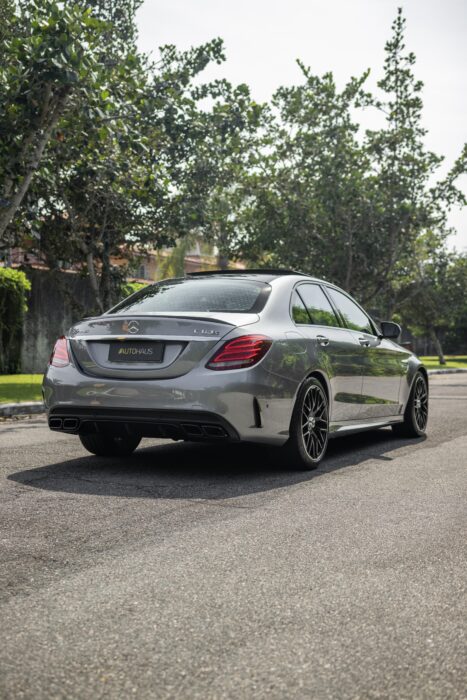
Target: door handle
{"points": [[322, 340], [365, 342]]}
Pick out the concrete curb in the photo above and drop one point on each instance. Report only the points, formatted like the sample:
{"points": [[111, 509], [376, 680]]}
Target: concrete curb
{"points": [[7, 410], [457, 370]]}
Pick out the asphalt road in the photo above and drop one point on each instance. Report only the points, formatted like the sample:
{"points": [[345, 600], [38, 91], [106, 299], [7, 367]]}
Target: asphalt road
{"points": [[196, 572]]}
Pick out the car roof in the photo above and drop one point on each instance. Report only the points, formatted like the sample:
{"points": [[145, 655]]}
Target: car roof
{"points": [[264, 274]]}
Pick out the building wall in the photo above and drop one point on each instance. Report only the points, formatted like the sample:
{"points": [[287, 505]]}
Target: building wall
{"points": [[56, 301]]}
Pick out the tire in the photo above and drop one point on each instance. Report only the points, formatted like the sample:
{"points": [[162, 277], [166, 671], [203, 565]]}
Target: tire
{"points": [[416, 411], [309, 427], [109, 446]]}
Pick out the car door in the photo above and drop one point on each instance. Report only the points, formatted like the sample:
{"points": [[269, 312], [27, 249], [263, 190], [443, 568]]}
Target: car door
{"points": [[332, 348], [384, 362]]}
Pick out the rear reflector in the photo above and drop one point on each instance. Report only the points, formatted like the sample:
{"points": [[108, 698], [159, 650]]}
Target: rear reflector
{"points": [[59, 356], [241, 352]]}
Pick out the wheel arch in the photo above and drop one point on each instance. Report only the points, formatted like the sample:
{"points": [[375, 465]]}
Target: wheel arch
{"points": [[424, 371], [419, 368], [411, 381], [318, 374]]}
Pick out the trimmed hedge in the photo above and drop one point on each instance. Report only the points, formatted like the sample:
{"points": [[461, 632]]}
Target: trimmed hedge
{"points": [[14, 286]]}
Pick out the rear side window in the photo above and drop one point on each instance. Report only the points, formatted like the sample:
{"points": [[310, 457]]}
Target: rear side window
{"points": [[299, 312], [319, 309], [222, 295], [354, 317]]}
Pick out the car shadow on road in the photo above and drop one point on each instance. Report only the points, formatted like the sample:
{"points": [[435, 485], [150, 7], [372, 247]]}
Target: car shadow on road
{"points": [[200, 471]]}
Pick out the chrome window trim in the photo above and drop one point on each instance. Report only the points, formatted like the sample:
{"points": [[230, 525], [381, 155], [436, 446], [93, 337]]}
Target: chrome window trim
{"points": [[372, 325], [311, 324]]}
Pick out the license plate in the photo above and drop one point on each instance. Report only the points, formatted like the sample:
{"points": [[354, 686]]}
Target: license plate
{"points": [[137, 351]]}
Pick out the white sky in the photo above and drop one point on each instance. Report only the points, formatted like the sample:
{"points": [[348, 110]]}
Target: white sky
{"points": [[264, 37]]}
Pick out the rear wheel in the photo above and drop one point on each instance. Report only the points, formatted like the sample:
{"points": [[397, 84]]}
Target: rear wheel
{"points": [[110, 446], [309, 428], [416, 411]]}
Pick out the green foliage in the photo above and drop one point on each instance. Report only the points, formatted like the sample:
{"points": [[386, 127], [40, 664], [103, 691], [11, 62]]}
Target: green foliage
{"points": [[434, 301], [130, 288], [116, 179], [14, 286], [48, 69], [346, 206], [215, 197]]}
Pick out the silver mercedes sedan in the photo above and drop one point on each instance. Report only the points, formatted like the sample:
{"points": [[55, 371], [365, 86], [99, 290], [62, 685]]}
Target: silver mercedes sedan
{"points": [[265, 356]]}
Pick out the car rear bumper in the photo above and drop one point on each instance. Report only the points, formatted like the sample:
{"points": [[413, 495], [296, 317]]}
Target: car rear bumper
{"points": [[251, 405], [176, 425]]}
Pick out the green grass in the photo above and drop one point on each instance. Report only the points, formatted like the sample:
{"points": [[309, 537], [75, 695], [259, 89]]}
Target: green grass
{"points": [[452, 362], [20, 387]]}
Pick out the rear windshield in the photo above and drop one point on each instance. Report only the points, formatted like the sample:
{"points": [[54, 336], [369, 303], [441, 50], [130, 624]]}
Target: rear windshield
{"points": [[239, 295]]}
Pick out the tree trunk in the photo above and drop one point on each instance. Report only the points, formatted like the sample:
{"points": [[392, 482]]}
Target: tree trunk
{"points": [[93, 280], [438, 346], [106, 280], [223, 261], [349, 272], [41, 138]]}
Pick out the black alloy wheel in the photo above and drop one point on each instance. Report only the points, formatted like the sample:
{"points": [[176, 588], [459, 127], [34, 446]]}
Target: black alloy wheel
{"points": [[309, 429], [416, 411], [421, 403]]}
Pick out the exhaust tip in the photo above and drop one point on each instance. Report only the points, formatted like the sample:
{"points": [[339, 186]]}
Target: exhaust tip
{"points": [[55, 423], [215, 431], [192, 430], [70, 423]]}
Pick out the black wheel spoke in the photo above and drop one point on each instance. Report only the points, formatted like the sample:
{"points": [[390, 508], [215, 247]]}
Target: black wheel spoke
{"points": [[420, 403], [314, 421]]}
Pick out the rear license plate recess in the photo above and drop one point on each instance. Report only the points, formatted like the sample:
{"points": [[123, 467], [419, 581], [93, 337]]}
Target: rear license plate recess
{"points": [[137, 351]]}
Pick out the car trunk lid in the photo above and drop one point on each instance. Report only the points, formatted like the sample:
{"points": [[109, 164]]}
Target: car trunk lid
{"points": [[145, 346]]}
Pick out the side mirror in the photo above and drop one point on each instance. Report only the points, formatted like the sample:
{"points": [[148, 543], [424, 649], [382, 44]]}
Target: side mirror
{"points": [[390, 330]]}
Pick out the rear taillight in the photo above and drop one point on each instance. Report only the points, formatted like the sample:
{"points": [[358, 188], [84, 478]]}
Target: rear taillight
{"points": [[59, 356], [240, 352]]}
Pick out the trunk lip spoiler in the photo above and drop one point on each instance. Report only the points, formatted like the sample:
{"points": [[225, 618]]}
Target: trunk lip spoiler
{"points": [[90, 328], [177, 339], [150, 314]]}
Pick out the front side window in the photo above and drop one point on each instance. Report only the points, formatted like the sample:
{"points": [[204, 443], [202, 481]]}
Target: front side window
{"points": [[202, 295], [354, 317], [319, 309]]}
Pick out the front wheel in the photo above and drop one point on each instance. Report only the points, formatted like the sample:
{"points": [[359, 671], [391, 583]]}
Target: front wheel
{"points": [[110, 446], [416, 411], [309, 427]]}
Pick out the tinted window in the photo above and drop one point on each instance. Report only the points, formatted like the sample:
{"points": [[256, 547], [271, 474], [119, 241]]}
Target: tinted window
{"points": [[299, 312], [197, 295], [319, 308], [354, 317]]}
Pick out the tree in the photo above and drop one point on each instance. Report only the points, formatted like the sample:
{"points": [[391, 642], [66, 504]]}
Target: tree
{"points": [[347, 206], [216, 191], [435, 301], [408, 205], [115, 178], [48, 65], [311, 210]]}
